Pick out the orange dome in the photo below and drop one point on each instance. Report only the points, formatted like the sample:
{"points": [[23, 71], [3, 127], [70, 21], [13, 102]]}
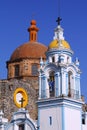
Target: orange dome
{"points": [[29, 50]]}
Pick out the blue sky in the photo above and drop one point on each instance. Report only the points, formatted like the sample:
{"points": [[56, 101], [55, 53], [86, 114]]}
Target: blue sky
{"points": [[15, 17]]}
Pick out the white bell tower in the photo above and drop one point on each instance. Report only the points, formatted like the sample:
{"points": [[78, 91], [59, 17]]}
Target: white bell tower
{"points": [[59, 103]]}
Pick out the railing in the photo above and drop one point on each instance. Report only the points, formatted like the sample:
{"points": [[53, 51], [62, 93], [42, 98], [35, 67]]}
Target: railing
{"points": [[71, 93], [44, 93]]}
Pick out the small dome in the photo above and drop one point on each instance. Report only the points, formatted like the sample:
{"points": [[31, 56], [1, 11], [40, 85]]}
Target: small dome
{"points": [[29, 50], [55, 44]]}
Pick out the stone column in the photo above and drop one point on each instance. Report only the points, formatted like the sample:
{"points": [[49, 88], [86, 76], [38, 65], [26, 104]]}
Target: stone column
{"points": [[61, 83], [57, 84], [47, 87], [25, 126], [66, 84], [79, 88], [15, 127], [43, 86]]}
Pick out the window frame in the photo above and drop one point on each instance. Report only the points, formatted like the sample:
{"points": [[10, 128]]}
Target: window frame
{"points": [[34, 69], [17, 70]]}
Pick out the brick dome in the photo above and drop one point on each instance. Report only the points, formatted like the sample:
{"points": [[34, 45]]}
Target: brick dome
{"points": [[29, 50]]}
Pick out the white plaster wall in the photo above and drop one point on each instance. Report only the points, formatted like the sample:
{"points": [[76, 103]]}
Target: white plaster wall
{"points": [[50, 59], [56, 57], [72, 119], [12, 127], [28, 127], [55, 113], [84, 127]]}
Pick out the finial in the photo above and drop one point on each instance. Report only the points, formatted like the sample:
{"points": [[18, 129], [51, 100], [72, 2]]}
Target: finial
{"points": [[58, 20], [41, 62], [77, 62], [33, 31]]}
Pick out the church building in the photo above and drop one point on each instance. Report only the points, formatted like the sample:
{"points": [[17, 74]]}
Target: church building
{"points": [[43, 86]]}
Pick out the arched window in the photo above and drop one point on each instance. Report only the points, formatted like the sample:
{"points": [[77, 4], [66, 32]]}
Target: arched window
{"points": [[70, 84], [51, 82], [53, 59], [21, 127], [34, 69], [67, 59], [16, 70]]}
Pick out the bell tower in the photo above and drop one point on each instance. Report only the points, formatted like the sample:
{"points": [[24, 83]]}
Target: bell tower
{"points": [[59, 103]]}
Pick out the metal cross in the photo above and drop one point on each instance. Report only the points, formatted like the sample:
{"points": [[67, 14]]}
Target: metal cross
{"points": [[22, 101], [58, 20]]}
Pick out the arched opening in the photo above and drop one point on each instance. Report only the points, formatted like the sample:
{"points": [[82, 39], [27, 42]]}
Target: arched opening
{"points": [[51, 82], [67, 60], [17, 70], [53, 59], [70, 83], [21, 127]]}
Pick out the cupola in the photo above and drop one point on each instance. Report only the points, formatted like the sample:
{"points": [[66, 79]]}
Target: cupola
{"points": [[58, 39], [24, 61]]}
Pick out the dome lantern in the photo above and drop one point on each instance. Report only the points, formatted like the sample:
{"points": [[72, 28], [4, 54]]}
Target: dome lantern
{"points": [[33, 31], [59, 41]]}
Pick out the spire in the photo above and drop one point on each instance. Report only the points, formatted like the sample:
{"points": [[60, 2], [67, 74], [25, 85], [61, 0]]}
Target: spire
{"points": [[33, 31]]}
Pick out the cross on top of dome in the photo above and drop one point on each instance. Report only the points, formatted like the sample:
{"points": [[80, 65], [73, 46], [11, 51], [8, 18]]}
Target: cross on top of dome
{"points": [[59, 20]]}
